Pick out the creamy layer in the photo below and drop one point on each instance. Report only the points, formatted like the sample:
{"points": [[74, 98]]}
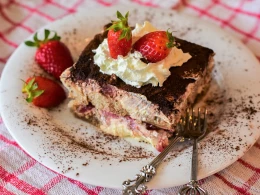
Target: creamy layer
{"points": [[124, 126]]}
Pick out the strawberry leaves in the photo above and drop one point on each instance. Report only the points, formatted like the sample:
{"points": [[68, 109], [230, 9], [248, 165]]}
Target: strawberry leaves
{"points": [[31, 89], [38, 43], [30, 43], [171, 39], [46, 34], [121, 24]]}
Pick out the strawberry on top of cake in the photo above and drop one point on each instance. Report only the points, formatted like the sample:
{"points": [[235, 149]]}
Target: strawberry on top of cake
{"points": [[146, 59]]}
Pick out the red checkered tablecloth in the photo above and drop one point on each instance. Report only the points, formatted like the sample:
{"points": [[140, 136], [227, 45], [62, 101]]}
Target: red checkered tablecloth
{"points": [[20, 174]]}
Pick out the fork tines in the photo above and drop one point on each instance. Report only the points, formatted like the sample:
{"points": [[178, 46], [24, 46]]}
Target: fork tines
{"points": [[191, 123]]}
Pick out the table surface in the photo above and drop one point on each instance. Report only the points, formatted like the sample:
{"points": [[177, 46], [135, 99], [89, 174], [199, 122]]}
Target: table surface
{"points": [[21, 174]]}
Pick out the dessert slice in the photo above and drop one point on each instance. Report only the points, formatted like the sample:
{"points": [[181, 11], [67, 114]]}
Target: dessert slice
{"points": [[149, 112]]}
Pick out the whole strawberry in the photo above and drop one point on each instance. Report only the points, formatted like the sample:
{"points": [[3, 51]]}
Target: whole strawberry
{"points": [[43, 92], [119, 36], [155, 46], [52, 55]]}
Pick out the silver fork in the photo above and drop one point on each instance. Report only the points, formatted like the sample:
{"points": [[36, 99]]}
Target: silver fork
{"points": [[196, 131], [136, 186]]}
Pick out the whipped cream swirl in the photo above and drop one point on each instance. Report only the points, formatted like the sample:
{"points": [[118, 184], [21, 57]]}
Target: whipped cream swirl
{"points": [[131, 69]]}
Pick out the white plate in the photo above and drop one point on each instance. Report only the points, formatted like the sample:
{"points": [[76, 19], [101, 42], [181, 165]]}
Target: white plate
{"points": [[47, 135]]}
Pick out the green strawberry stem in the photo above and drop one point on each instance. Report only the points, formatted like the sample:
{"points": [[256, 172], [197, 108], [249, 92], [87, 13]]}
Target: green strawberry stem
{"points": [[121, 24], [30, 89], [171, 39], [38, 43]]}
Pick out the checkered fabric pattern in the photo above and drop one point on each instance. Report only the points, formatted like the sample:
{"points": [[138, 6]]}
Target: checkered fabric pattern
{"points": [[22, 175]]}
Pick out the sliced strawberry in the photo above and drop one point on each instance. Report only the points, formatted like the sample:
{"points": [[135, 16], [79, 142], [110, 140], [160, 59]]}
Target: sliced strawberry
{"points": [[52, 55], [119, 36], [155, 46], [43, 92]]}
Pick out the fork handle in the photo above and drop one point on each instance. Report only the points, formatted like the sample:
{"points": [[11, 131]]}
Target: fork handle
{"points": [[194, 161], [164, 153], [136, 186]]}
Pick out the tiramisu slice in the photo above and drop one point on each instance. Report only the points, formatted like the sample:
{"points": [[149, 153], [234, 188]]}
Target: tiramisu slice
{"points": [[129, 108]]}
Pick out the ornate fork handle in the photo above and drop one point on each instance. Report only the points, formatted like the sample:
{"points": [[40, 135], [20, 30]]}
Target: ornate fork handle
{"points": [[136, 186]]}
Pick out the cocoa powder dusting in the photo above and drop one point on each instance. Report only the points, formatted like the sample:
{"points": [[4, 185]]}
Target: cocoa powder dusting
{"points": [[225, 114], [233, 112]]}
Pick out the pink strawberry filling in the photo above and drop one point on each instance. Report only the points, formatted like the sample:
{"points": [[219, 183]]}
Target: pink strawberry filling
{"points": [[85, 108], [156, 135]]}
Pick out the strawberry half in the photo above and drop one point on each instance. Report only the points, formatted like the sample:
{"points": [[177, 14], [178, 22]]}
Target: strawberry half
{"points": [[119, 36], [43, 92], [52, 55], [155, 46]]}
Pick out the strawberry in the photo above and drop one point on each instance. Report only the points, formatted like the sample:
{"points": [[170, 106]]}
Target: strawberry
{"points": [[43, 92], [155, 46], [52, 55], [119, 36]]}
